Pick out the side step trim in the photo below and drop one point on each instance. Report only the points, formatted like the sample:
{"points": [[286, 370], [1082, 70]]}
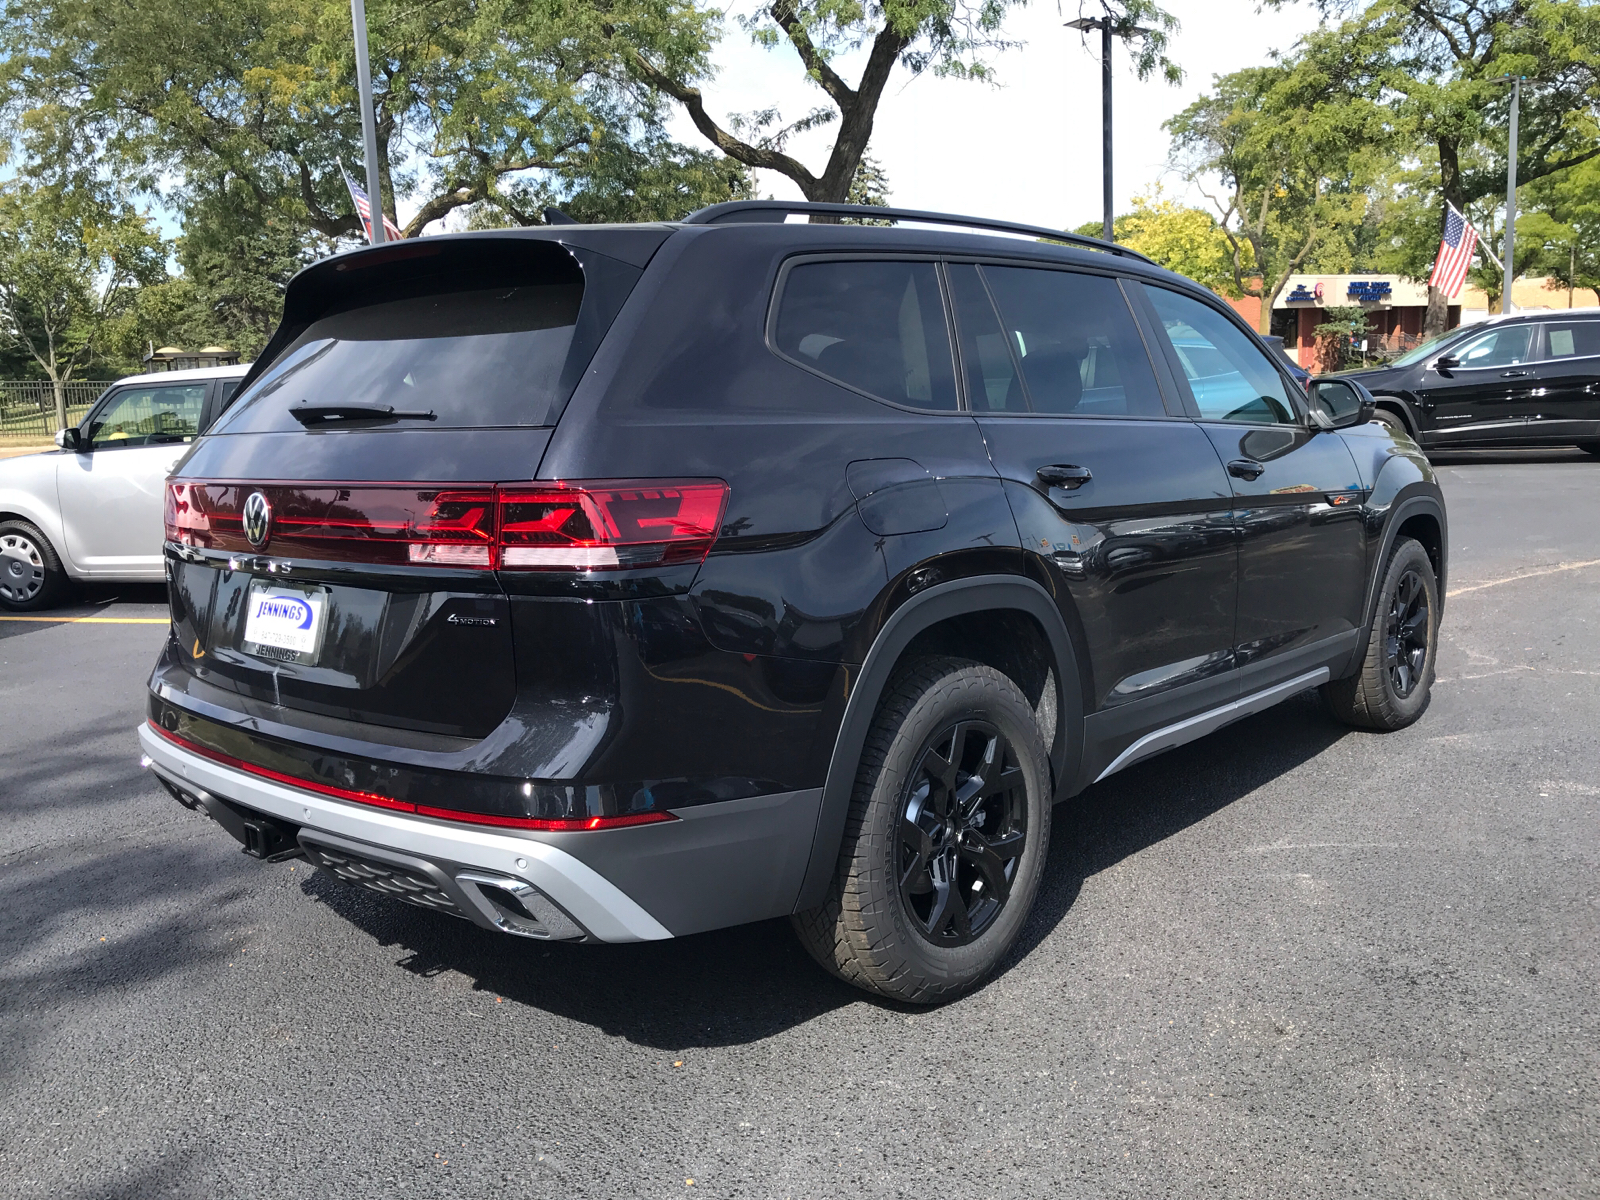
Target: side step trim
{"points": [[1213, 719]]}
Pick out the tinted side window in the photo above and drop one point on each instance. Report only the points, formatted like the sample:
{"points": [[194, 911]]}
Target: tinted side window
{"points": [[991, 371], [877, 326], [1076, 342], [148, 415], [1498, 348], [1572, 339], [1231, 379]]}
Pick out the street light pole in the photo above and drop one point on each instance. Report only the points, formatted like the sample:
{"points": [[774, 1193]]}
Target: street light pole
{"points": [[1105, 123], [1511, 196], [369, 125], [1109, 29]]}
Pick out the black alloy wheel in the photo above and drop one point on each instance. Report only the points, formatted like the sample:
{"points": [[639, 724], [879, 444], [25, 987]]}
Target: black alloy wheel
{"points": [[1390, 686], [945, 841], [963, 829], [1405, 645]]}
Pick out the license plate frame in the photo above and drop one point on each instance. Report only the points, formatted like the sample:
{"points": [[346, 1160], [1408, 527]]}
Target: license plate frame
{"points": [[275, 634]]}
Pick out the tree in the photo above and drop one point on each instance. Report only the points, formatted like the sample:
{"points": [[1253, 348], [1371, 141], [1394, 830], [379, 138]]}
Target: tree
{"points": [[948, 37], [473, 97], [1558, 233], [1285, 153], [69, 264], [1441, 63], [1182, 239]]}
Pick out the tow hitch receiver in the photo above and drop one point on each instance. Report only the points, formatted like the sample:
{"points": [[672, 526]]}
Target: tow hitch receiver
{"points": [[269, 840]]}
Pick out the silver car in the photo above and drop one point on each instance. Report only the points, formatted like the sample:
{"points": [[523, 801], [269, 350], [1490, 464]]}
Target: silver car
{"points": [[92, 510]]}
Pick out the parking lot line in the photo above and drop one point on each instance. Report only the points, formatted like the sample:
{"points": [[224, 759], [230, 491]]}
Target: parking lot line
{"points": [[94, 620], [1555, 570]]}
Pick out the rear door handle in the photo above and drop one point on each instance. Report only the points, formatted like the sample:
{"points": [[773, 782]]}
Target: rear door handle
{"points": [[1064, 475], [1515, 374], [1245, 468]]}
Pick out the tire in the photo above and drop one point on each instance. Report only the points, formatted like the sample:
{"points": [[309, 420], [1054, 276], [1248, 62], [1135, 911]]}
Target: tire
{"points": [[1590, 448], [1392, 687], [1393, 420], [916, 943], [31, 575]]}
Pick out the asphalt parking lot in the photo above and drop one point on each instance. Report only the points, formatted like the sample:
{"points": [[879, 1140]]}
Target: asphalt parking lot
{"points": [[1288, 959]]}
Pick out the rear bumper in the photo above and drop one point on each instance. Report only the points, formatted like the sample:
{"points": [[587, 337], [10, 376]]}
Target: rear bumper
{"points": [[718, 865]]}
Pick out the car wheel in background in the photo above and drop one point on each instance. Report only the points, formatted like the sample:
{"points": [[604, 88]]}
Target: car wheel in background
{"points": [[1393, 420], [946, 838], [1590, 448], [30, 570], [1392, 686]]}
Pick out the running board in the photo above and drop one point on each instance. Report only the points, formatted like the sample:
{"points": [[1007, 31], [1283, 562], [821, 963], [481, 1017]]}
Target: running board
{"points": [[1212, 720]]}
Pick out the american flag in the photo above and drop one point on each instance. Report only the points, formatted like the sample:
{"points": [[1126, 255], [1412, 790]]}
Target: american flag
{"points": [[391, 232], [1455, 253]]}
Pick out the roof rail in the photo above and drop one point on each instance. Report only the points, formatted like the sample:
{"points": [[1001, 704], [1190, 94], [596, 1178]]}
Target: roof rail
{"points": [[736, 212]]}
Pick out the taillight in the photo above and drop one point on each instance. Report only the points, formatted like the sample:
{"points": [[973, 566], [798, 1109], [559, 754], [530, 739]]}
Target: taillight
{"points": [[607, 525]]}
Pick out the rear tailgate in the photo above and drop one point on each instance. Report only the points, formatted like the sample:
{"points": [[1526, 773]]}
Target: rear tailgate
{"points": [[331, 539]]}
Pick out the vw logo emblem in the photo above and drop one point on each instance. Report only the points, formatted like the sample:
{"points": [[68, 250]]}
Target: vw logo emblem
{"points": [[257, 520]]}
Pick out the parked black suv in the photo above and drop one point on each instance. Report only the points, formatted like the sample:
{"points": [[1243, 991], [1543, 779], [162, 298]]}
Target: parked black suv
{"points": [[1524, 380], [625, 582]]}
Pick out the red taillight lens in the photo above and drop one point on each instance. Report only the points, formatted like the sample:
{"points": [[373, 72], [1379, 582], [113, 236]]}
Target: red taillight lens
{"points": [[609, 525]]}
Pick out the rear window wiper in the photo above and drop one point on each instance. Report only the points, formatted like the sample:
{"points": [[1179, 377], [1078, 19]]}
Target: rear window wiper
{"points": [[324, 414]]}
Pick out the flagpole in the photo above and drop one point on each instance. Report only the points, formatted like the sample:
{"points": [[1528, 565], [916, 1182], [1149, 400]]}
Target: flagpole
{"points": [[1483, 243], [369, 125]]}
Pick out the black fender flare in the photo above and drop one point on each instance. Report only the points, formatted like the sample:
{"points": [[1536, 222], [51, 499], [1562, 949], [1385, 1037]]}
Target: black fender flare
{"points": [[983, 593], [1408, 410], [1414, 499]]}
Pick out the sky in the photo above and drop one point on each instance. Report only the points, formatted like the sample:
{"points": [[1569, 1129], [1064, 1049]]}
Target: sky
{"points": [[1025, 150]]}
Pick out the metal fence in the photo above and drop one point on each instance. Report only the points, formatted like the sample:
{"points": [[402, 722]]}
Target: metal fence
{"points": [[28, 407]]}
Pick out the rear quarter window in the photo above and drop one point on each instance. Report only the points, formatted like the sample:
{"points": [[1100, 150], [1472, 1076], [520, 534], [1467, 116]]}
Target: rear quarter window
{"points": [[875, 326]]}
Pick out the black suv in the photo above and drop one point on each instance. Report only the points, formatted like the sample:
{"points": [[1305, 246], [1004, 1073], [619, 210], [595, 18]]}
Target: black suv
{"points": [[1524, 380], [623, 582]]}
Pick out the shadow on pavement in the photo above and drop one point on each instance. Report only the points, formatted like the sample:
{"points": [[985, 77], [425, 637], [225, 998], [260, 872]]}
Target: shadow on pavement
{"points": [[739, 985]]}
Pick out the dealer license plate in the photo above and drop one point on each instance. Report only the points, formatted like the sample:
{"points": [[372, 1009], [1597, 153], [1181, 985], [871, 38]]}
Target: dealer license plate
{"points": [[284, 623]]}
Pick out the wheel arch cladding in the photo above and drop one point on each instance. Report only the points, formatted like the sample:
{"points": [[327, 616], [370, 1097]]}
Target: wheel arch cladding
{"points": [[1400, 407], [1416, 510], [987, 608]]}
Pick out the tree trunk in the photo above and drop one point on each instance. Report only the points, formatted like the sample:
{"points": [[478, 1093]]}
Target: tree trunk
{"points": [[60, 388], [1437, 317]]}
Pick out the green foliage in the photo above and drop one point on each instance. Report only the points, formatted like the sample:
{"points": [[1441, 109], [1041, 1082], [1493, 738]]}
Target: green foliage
{"points": [[473, 97], [71, 261], [1182, 239], [1287, 155], [1558, 231]]}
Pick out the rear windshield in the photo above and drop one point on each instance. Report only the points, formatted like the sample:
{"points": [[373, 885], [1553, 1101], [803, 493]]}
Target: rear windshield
{"points": [[472, 359]]}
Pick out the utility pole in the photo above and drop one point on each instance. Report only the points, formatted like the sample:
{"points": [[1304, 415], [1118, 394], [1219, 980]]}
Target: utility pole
{"points": [[1511, 195], [1109, 28], [369, 125]]}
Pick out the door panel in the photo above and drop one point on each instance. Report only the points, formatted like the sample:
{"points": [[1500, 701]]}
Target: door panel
{"points": [[1302, 548], [111, 493], [1143, 552], [1127, 517], [1296, 494], [1490, 395], [1569, 381]]}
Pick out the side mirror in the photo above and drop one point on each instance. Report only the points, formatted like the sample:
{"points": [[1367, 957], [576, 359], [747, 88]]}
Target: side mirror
{"points": [[1446, 362], [1340, 403], [68, 439]]}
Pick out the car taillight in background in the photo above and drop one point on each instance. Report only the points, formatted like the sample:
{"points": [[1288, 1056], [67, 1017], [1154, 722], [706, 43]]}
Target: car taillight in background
{"points": [[603, 525]]}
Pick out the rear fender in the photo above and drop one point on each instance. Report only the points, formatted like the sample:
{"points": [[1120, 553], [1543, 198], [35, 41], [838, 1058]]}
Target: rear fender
{"points": [[980, 594]]}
